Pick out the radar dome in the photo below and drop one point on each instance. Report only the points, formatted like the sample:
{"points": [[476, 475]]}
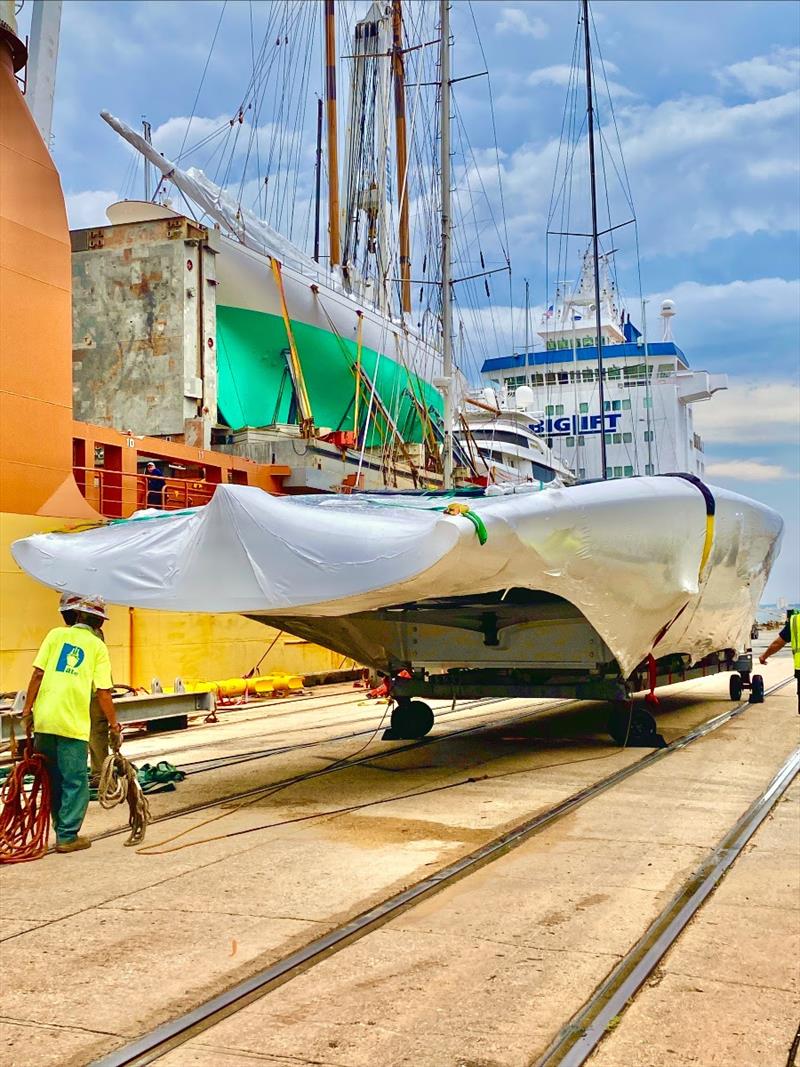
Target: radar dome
{"points": [[667, 307], [524, 396]]}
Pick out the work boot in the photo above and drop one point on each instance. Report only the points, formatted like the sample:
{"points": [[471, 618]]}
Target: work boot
{"points": [[75, 845]]}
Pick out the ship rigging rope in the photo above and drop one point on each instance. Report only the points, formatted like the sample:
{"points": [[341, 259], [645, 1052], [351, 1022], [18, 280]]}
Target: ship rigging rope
{"points": [[119, 782], [24, 815], [202, 78]]}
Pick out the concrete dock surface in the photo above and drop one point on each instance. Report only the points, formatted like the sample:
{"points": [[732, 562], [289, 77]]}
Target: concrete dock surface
{"points": [[99, 947]]}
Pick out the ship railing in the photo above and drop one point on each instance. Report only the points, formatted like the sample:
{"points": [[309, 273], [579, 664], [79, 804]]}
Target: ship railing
{"points": [[117, 494]]}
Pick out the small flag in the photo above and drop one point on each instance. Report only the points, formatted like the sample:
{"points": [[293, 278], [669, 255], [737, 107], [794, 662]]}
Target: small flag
{"points": [[549, 313]]}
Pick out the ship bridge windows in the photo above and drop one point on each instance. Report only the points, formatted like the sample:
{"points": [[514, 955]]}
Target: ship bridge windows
{"points": [[554, 409], [614, 373], [665, 370], [505, 436], [636, 372]]}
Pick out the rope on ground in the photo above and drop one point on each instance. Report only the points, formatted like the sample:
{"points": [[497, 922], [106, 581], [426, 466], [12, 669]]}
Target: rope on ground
{"points": [[119, 782], [24, 816]]}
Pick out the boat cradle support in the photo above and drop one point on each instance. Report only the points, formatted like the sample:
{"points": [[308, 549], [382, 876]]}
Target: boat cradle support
{"points": [[464, 683]]}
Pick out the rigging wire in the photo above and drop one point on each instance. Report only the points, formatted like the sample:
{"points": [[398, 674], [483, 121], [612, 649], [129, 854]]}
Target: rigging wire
{"points": [[203, 77]]}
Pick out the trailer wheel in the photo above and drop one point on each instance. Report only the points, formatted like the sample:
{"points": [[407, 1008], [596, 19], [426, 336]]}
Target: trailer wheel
{"points": [[756, 689], [411, 719], [633, 727], [735, 687]]}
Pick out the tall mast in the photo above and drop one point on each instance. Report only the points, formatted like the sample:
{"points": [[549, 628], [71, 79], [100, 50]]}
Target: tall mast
{"points": [[147, 134], [595, 244], [317, 179], [333, 149], [527, 339], [447, 310], [401, 151], [42, 63]]}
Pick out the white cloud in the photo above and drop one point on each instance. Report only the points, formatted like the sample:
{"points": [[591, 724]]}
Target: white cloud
{"points": [[755, 412], [777, 72], [515, 20], [88, 208], [563, 75], [691, 122], [705, 311], [732, 170], [766, 169], [748, 470]]}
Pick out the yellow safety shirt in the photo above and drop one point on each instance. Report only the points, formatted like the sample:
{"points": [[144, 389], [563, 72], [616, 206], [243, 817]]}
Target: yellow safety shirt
{"points": [[794, 631], [75, 661]]}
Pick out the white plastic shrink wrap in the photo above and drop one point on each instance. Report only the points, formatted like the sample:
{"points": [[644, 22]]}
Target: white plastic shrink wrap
{"points": [[628, 554]]}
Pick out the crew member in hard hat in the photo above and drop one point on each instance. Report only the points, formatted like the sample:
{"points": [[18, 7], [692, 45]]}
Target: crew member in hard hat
{"points": [[790, 634], [72, 662], [98, 735]]}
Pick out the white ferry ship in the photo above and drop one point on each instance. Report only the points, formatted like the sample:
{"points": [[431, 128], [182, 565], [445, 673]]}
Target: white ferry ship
{"points": [[649, 387], [497, 441]]}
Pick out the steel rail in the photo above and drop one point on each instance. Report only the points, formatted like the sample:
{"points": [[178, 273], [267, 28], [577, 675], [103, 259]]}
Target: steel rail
{"points": [[163, 1038], [576, 1041]]}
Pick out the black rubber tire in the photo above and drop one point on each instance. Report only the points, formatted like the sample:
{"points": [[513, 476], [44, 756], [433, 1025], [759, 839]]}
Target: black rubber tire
{"points": [[735, 687], [632, 726], [411, 719], [756, 689]]}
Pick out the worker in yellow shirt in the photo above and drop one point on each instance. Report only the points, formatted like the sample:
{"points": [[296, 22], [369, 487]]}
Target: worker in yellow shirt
{"points": [[790, 634], [71, 663]]}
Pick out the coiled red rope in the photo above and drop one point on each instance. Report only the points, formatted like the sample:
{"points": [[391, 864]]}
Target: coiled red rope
{"points": [[24, 815]]}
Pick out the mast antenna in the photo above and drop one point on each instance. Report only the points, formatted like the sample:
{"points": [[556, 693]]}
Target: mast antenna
{"points": [[595, 241], [447, 295], [42, 64], [317, 179], [401, 148], [147, 134], [333, 148], [527, 341]]}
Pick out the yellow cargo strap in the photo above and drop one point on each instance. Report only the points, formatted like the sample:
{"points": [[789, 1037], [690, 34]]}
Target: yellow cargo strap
{"points": [[359, 334], [709, 541], [303, 402]]}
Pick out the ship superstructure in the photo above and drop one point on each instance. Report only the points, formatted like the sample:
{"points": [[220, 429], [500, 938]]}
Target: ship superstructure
{"points": [[649, 387]]}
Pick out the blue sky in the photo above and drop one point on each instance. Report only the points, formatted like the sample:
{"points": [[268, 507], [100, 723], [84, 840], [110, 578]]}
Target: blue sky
{"points": [[706, 99]]}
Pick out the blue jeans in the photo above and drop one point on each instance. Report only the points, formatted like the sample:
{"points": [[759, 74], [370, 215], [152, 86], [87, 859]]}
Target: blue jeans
{"points": [[69, 782]]}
